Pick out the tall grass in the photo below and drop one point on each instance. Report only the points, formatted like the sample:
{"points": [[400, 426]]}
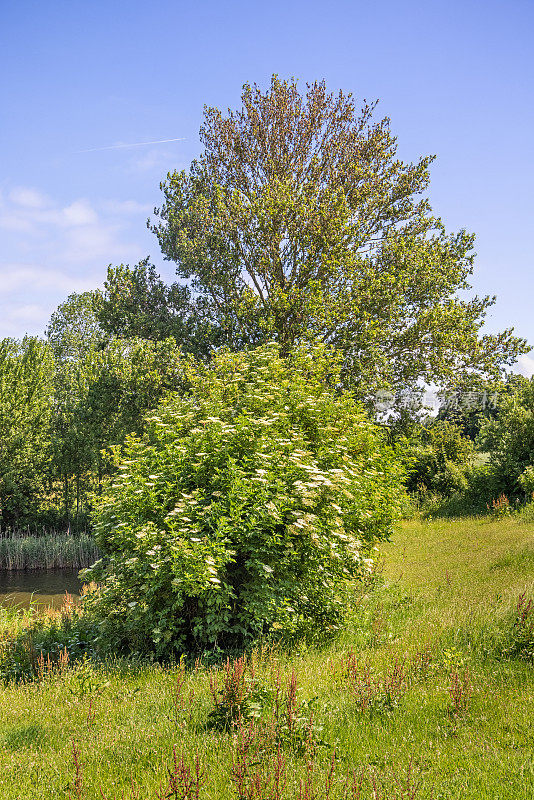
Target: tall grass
{"points": [[51, 551]]}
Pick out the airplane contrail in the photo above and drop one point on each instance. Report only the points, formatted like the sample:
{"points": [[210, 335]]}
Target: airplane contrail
{"points": [[133, 144]]}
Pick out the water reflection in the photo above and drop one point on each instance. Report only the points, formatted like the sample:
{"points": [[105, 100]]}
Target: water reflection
{"points": [[43, 587]]}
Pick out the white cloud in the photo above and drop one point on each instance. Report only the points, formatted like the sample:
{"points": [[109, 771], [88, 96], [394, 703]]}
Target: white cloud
{"points": [[28, 198], [80, 213], [18, 320], [51, 249], [97, 243], [15, 222], [27, 210], [32, 313], [525, 366]]}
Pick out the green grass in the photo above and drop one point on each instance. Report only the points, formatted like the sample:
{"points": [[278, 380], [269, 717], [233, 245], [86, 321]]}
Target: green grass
{"points": [[456, 713]]}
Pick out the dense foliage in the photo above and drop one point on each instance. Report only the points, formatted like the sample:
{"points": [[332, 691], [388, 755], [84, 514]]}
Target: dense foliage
{"points": [[246, 510], [509, 438], [437, 458], [136, 303], [239, 492], [299, 221], [26, 395], [64, 403], [450, 475], [73, 329]]}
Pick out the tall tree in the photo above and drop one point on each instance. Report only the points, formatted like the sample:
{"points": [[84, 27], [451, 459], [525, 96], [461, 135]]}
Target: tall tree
{"points": [[75, 337], [74, 328], [299, 220], [26, 402], [99, 400], [137, 303], [103, 385]]}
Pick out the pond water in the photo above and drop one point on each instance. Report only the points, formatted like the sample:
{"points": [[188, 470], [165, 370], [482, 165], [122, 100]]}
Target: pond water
{"points": [[43, 587]]}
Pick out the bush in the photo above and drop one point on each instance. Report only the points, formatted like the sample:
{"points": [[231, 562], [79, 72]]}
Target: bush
{"points": [[437, 459], [247, 509], [457, 505], [526, 481], [510, 441]]}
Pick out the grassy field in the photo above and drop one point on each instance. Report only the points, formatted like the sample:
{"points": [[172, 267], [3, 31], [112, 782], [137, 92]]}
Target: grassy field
{"points": [[419, 697]]}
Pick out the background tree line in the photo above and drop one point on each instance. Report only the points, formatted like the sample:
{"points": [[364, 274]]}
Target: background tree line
{"points": [[64, 402]]}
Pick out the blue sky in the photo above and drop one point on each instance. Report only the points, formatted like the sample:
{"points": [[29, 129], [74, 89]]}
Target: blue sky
{"points": [[456, 79]]}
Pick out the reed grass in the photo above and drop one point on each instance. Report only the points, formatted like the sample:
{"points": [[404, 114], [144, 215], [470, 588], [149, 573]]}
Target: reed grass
{"points": [[51, 551]]}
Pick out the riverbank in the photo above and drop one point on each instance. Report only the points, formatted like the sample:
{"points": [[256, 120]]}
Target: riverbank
{"points": [[422, 695]]}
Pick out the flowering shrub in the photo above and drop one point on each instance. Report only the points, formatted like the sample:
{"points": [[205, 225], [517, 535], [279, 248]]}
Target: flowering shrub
{"points": [[246, 510]]}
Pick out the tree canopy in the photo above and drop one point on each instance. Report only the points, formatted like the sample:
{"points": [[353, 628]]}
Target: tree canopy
{"points": [[26, 403], [299, 221], [74, 329], [137, 303], [509, 437]]}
